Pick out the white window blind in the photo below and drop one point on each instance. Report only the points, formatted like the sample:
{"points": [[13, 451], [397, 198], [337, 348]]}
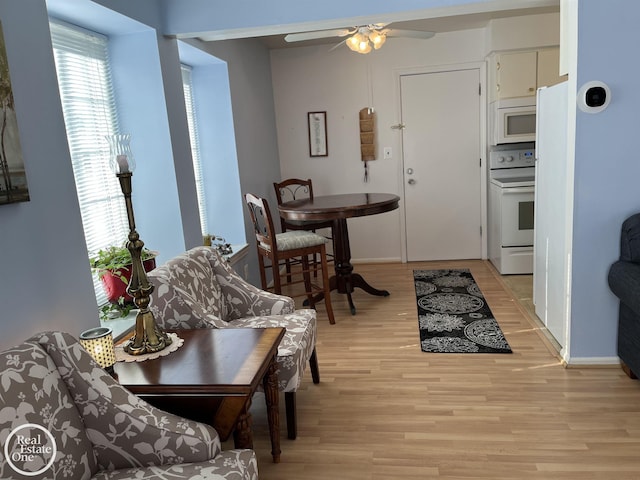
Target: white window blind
{"points": [[195, 146], [88, 104]]}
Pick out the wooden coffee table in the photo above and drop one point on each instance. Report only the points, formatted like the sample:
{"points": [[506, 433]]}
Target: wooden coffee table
{"points": [[212, 378]]}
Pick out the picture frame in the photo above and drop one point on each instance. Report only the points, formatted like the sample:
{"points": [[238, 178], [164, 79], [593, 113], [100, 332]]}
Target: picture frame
{"points": [[13, 179], [317, 123]]}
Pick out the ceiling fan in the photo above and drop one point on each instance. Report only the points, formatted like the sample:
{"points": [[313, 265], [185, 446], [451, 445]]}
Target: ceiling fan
{"points": [[362, 38]]}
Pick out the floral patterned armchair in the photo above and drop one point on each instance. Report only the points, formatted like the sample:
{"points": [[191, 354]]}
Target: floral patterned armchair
{"points": [[198, 289], [56, 402]]}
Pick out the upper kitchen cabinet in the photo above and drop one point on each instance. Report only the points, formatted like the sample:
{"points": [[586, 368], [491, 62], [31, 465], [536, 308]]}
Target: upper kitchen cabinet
{"points": [[515, 74], [549, 67], [521, 73]]}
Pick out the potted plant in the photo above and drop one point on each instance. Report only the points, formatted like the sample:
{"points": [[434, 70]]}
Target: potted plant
{"points": [[113, 267], [218, 243]]}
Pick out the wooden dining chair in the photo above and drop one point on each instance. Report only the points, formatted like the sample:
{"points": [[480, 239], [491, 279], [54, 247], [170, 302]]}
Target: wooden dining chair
{"points": [[295, 245], [296, 189]]}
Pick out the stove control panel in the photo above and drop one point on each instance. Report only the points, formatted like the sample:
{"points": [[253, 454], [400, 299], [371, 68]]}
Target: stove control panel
{"points": [[512, 158]]}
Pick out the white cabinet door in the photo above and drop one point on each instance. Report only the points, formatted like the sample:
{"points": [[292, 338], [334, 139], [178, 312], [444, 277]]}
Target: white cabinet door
{"points": [[516, 74], [520, 74]]}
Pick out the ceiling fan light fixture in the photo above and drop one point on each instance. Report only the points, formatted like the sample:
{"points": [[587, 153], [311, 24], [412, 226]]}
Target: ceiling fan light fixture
{"points": [[359, 42], [361, 39], [364, 47], [377, 39], [353, 42], [366, 39]]}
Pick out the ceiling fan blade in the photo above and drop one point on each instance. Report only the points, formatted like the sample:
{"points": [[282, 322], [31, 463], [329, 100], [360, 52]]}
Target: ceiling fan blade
{"points": [[337, 45], [299, 37], [392, 32]]}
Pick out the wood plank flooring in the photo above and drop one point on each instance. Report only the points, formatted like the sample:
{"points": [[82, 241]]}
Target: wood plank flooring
{"points": [[386, 410]]}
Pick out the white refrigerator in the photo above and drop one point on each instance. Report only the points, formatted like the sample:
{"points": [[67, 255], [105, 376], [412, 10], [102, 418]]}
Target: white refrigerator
{"points": [[552, 227]]}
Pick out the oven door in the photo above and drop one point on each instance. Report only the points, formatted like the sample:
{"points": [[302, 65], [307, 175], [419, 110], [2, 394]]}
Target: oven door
{"points": [[517, 216]]}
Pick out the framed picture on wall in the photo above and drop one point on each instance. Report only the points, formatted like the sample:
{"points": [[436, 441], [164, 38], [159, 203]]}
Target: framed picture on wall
{"points": [[13, 181], [317, 122]]}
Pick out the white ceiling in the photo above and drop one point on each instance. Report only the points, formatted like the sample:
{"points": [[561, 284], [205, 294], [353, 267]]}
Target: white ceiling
{"points": [[438, 24]]}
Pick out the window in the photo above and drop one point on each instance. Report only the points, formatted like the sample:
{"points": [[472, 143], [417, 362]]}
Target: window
{"points": [[88, 104], [187, 85]]}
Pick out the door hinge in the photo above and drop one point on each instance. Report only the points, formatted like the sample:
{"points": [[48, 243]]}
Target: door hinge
{"points": [[480, 230], [479, 89], [480, 162]]}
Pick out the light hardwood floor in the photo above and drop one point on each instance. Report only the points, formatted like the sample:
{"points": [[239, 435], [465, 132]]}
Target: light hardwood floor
{"points": [[386, 410]]}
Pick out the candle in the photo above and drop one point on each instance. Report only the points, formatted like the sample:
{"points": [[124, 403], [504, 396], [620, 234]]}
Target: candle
{"points": [[123, 165]]}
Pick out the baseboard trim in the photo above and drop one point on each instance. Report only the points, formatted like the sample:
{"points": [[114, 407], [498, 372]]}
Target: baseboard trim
{"points": [[593, 362], [376, 260]]}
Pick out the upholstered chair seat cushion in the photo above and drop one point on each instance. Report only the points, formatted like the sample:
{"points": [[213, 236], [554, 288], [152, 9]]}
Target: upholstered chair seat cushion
{"points": [[295, 347], [231, 465], [298, 239]]}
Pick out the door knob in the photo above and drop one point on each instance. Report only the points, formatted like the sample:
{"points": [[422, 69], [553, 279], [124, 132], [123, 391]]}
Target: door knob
{"points": [[411, 181], [409, 171]]}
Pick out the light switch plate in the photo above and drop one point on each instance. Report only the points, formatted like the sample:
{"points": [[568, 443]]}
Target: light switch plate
{"points": [[387, 153]]}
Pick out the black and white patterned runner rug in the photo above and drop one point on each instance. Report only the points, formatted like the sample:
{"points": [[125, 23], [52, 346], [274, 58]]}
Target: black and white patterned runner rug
{"points": [[453, 315]]}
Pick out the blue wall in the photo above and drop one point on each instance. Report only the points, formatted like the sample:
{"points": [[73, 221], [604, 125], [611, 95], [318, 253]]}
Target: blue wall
{"points": [[138, 83], [607, 168], [46, 282], [249, 68], [210, 77]]}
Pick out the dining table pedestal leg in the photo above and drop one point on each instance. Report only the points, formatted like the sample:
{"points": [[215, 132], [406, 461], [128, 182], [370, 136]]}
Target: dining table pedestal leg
{"points": [[337, 209], [345, 281]]}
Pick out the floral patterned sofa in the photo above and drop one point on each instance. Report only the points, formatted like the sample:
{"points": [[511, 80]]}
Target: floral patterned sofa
{"points": [[199, 289], [56, 397]]}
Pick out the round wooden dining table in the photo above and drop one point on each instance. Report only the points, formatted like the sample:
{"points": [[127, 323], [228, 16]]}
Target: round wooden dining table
{"points": [[337, 209]]}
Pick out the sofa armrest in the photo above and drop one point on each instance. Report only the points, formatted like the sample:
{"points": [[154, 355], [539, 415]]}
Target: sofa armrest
{"points": [[630, 239], [624, 282]]}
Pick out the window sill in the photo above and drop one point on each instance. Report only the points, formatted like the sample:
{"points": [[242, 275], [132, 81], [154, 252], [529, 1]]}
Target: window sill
{"points": [[239, 252]]}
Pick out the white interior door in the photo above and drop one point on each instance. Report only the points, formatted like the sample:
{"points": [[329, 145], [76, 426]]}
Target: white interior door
{"points": [[442, 174]]}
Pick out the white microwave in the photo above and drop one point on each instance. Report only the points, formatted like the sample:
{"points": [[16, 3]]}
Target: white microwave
{"points": [[513, 120]]}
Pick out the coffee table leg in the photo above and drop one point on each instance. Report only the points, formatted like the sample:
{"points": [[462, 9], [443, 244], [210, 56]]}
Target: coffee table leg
{"points": [[271, 395]]}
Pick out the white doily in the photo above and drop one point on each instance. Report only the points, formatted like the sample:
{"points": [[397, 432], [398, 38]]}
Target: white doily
{"points": [[122, 356]]}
